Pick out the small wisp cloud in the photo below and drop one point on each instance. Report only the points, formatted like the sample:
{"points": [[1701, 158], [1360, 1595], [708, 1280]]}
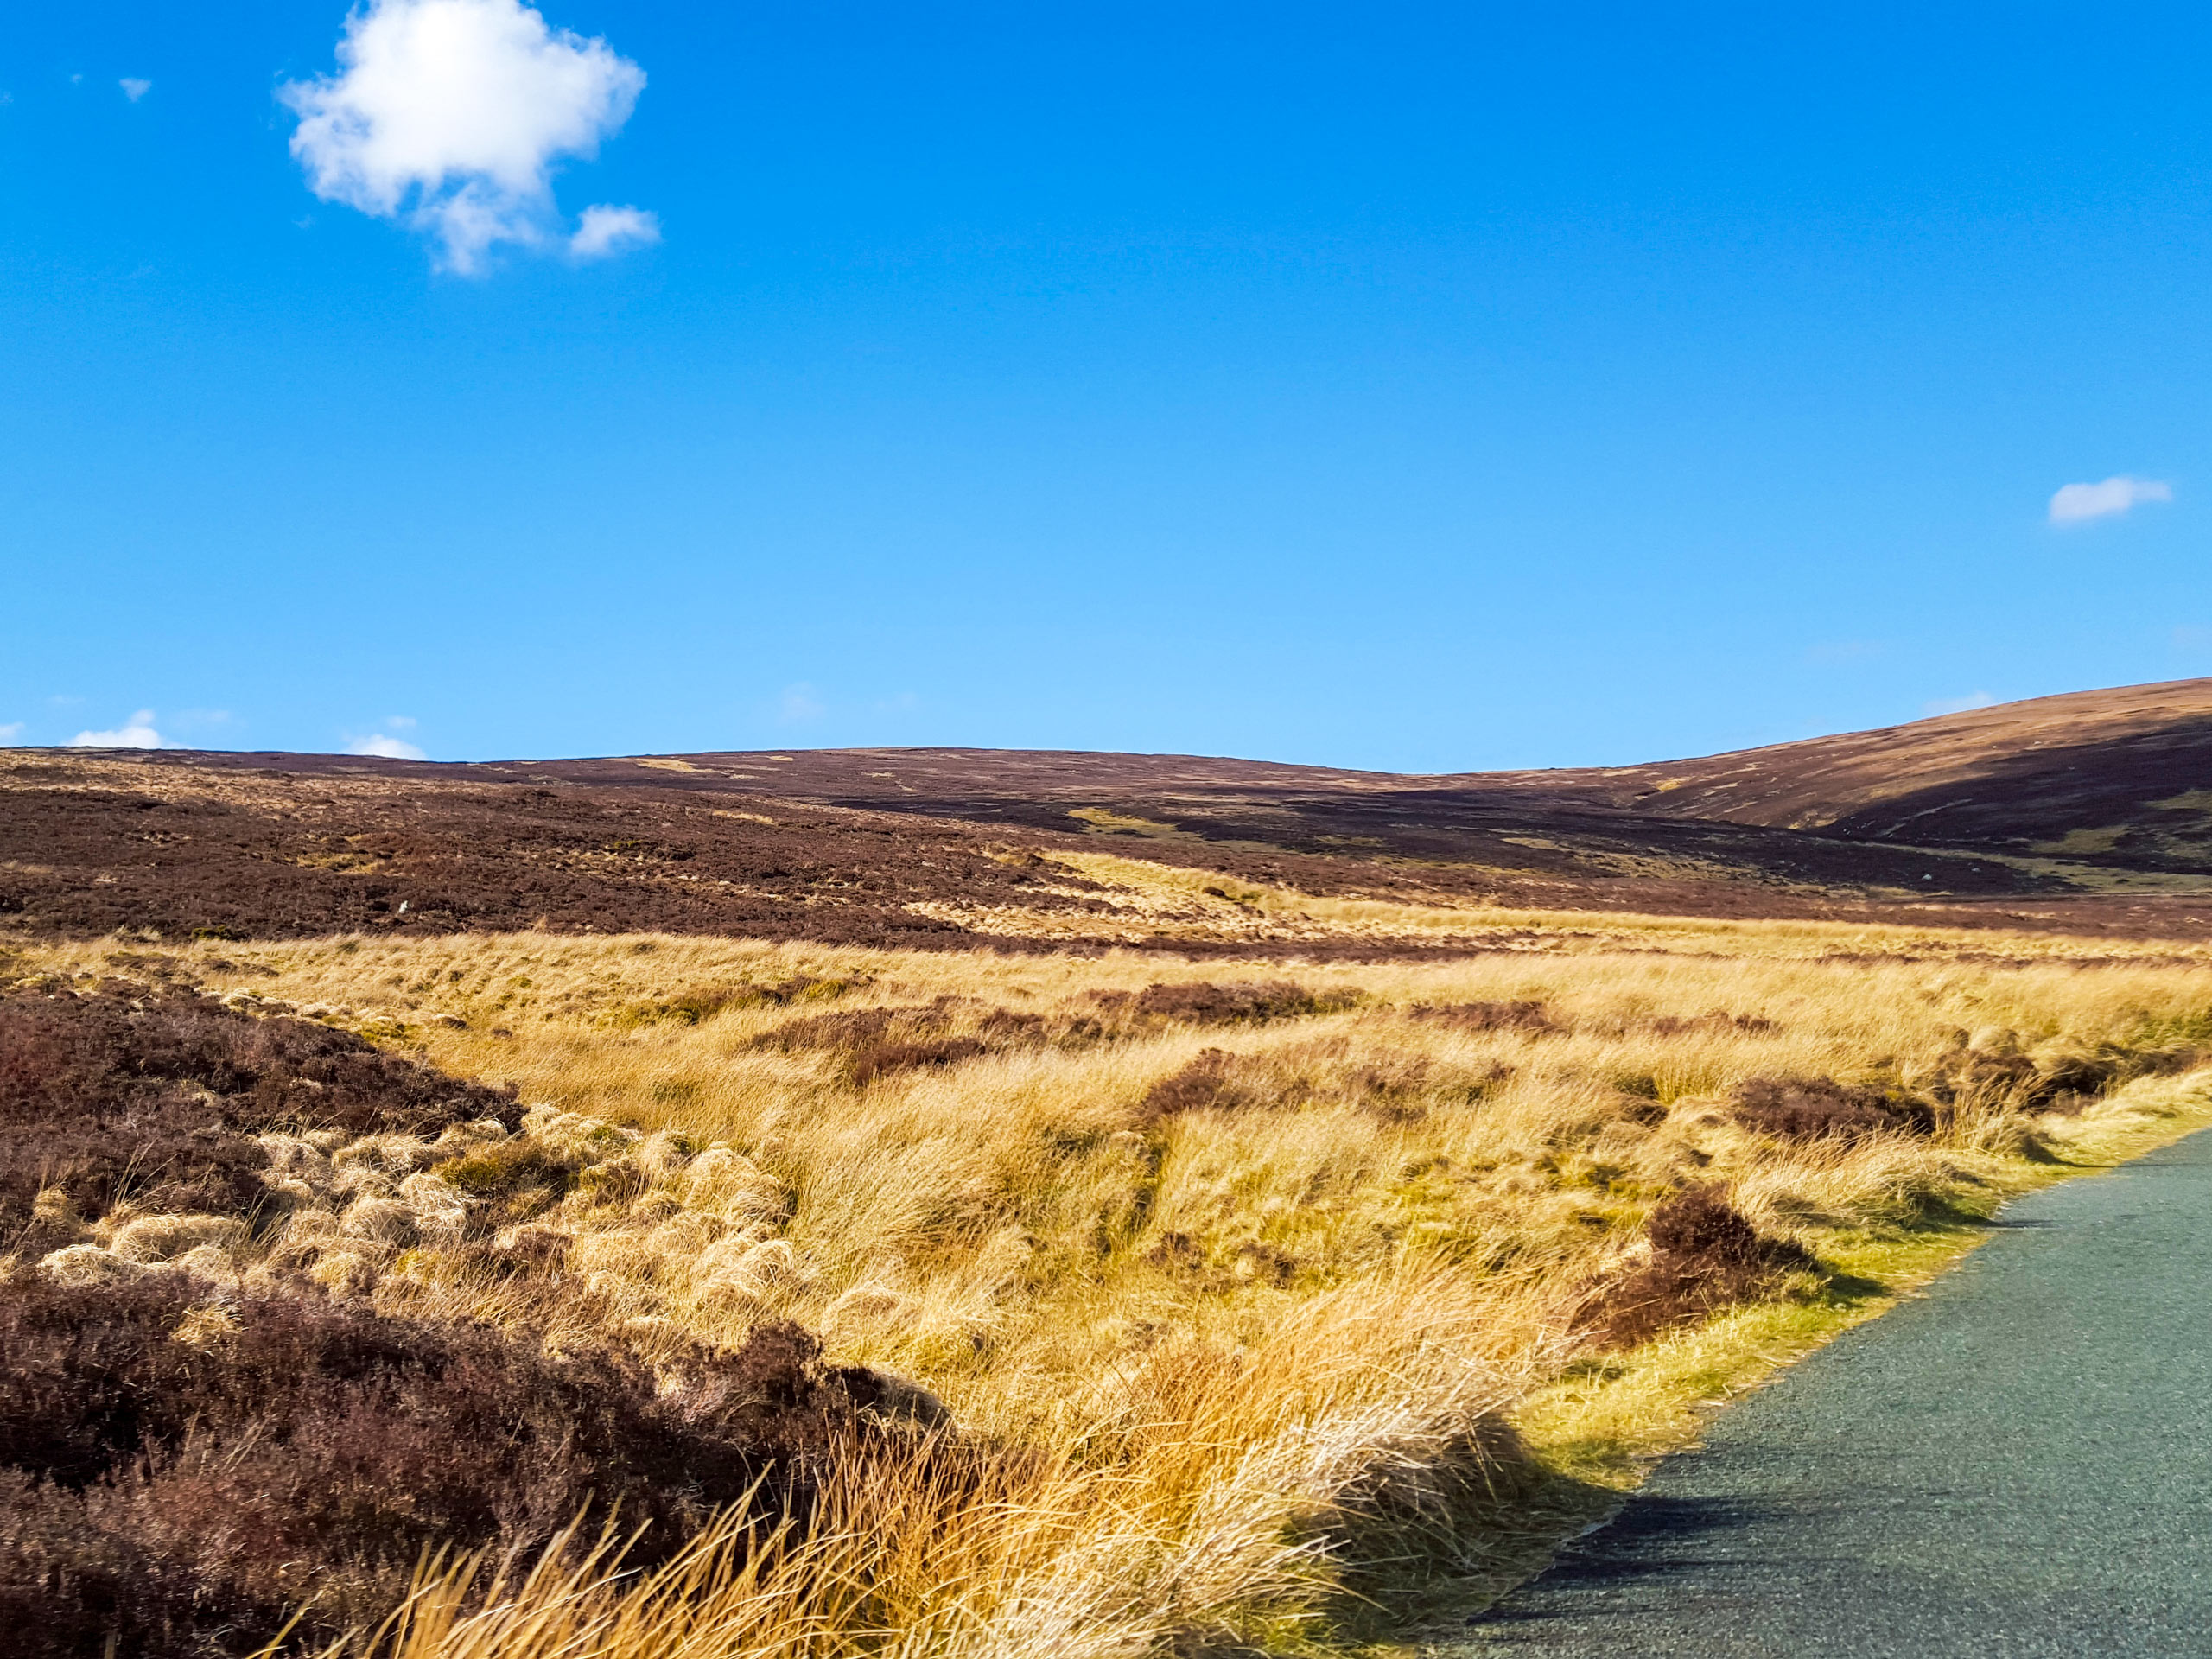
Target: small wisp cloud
{"points": [[385, 747], [451, 115], [2076, 504], [1973, 700], [605, 232], [386, 744], [136, 733], [798, 704]]}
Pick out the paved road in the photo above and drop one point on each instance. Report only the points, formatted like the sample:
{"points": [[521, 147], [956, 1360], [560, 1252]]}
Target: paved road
{"points": [[2018, 1464]]}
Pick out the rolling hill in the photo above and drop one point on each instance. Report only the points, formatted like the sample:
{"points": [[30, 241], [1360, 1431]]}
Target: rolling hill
{"points": [[2091, 810]]}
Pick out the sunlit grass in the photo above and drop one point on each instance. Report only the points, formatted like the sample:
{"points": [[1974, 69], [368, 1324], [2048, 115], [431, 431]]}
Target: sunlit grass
{"points": [[1229, 1368]]}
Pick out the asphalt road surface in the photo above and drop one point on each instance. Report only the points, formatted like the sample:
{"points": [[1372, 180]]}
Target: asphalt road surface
{"points": [[2018, 1464]]}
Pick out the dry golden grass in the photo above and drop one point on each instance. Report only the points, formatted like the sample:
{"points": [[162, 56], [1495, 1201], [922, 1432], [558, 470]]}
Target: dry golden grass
{"points": [[1149, 901], [1223, 1368]]}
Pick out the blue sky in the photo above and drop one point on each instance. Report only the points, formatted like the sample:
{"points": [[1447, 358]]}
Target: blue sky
{"points": [[1398, 386]]}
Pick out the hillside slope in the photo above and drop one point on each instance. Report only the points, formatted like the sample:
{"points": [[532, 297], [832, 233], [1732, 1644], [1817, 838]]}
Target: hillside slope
{"points": [[2117, 777], [2089, 811], [2106, 777]]}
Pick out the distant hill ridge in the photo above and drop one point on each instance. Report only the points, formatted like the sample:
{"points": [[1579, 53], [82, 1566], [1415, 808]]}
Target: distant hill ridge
{"points": [[2093, 807], [2105, 777]]}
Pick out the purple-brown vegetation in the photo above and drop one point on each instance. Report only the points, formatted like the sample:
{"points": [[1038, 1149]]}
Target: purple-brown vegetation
{"points": [[1201, 1003], [1705, 1256], [1812, 1109], [1205, 1084], [872, 1043], [1526, 1016], [151, 1097], [186, 1460]]}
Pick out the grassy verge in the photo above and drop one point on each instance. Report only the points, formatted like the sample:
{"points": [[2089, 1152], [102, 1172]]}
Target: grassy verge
{"points": [[1594, 1432]]}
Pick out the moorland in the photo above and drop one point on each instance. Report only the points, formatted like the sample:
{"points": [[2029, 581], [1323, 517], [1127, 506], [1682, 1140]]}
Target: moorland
{"points": [[942, 1203]]}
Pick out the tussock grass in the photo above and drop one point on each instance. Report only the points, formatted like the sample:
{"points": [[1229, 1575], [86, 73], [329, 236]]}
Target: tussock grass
{"points": [[1230, 1283]]}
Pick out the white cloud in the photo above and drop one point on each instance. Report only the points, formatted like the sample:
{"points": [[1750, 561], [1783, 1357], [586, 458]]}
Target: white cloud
{"points": [[798, 704], [450, 114], [401, 722], [11, 731], [136, 733], [133, 88], [390, 748], [604, 231], [1959, 705], [2075, 504]]}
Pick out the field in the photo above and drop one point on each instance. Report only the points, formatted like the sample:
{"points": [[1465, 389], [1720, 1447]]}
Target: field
{"points": [[1040, 1294]]}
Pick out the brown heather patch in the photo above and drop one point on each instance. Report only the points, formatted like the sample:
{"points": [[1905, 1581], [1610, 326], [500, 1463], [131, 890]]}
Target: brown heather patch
{"points": [[151, 1097], [1204, 1085], [694, 1006], [1997, 1070], [1393, 1086], [182, 1493], [1715, 1020], [1527, 1016], [1705, 1256], [1807, 1108], [872, 1043], [1204, 1003]]}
